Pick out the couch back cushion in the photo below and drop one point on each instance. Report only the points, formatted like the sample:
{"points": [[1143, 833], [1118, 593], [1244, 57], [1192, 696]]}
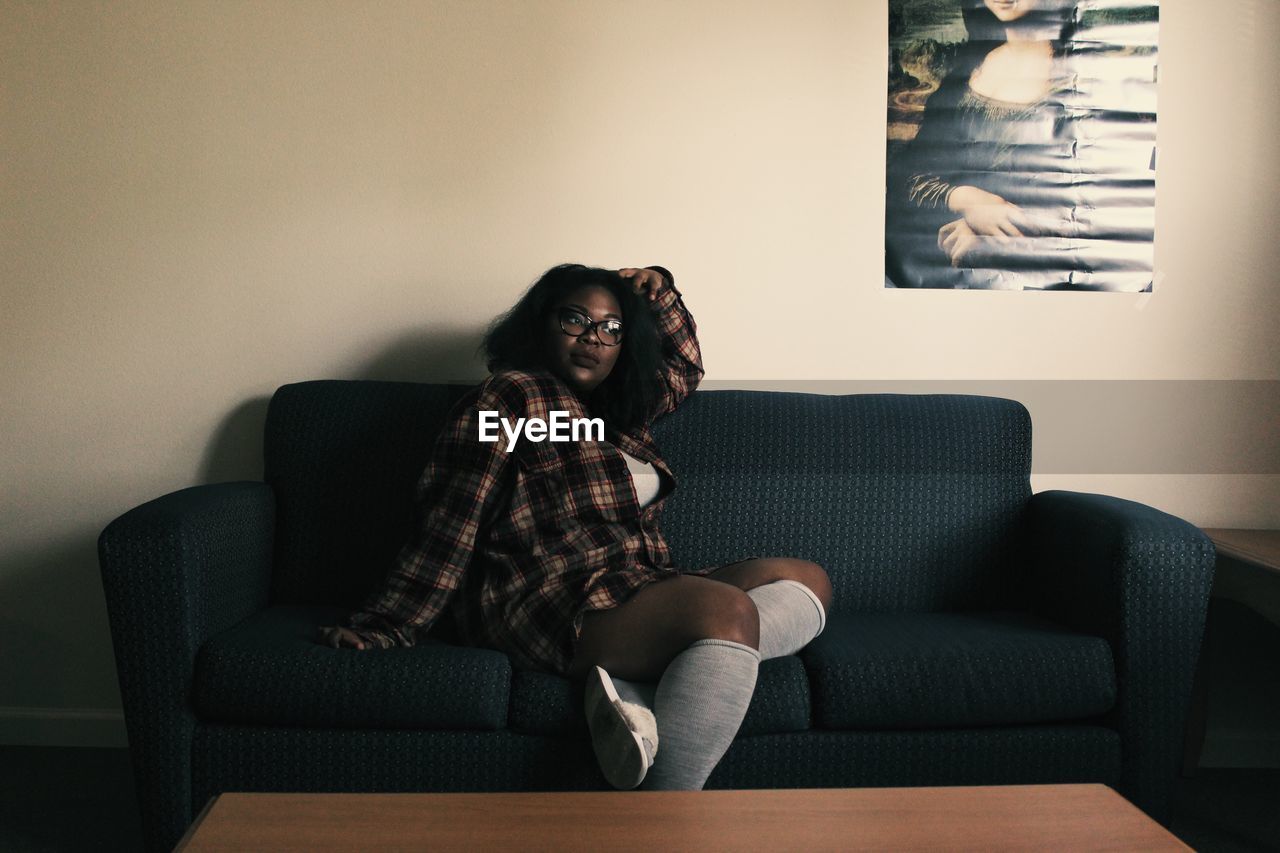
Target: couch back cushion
{"points": [[343, 458], [911, 502]]}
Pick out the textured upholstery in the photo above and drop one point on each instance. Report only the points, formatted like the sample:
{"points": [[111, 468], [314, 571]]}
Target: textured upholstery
{"points": [[1016, 755], [269, 670], [287, 759], [953, 670], [256, 758], [1139, 578], [911, 502], [980, 635], [545, 704], [176, 571], [343, 459]]}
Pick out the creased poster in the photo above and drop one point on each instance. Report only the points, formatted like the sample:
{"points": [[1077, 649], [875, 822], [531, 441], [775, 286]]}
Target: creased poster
{"points": [[1021, 144]]}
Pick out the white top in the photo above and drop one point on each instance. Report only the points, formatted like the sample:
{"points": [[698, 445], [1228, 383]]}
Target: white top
{"points": [[644, 477]]}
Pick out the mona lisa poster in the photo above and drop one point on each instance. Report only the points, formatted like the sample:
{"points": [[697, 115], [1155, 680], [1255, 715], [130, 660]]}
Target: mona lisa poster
{"points": [[1021, 144]]}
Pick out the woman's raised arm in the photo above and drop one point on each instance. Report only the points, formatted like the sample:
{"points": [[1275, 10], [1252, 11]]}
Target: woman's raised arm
{"points": [[681, 355]]}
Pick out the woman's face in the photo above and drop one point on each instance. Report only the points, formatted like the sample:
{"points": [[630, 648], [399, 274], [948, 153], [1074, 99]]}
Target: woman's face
{"points": [[1007, 11], [583, 362]]}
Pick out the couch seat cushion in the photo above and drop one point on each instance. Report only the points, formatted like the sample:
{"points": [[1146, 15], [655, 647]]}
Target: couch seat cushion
{"points": [[939, 670], [269, 670], [545, 704]]}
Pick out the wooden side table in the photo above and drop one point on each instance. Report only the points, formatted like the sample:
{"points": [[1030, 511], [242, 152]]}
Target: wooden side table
{"points": [[1248, 572], [1248, 569]]}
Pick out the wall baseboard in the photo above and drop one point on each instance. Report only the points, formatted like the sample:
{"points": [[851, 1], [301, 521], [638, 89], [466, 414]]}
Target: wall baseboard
{"points": [[95, 727]]}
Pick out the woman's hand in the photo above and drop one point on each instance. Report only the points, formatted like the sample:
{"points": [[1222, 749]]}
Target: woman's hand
{"points": [[337, 638], [957, 240], [986, 214], [645, 282]]}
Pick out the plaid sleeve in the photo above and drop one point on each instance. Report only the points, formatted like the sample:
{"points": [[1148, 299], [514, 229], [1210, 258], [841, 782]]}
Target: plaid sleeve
{"points": [[455, 490], [682, 370]]}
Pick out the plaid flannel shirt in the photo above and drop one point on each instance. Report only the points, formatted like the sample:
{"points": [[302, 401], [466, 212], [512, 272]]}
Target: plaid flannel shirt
{"points": [[518, 546]]}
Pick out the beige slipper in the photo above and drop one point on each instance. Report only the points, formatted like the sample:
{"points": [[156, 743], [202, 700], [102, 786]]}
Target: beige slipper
{"points": [[625, 735]]}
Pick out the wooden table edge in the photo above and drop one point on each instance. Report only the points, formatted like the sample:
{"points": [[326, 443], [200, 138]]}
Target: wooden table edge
{"points": [[1226, 542], [195, 824], [1121, 802]]}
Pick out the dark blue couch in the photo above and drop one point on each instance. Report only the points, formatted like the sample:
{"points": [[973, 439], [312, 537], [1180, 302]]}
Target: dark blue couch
{"points": [[980, 634]]}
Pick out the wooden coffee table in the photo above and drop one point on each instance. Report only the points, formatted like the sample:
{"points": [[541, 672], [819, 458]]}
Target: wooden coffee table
{"points": [[1022, 817]]}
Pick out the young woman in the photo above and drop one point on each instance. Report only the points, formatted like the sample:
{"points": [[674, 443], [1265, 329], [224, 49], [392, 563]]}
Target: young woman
{"points": [[1008, 184], [553, 553]]}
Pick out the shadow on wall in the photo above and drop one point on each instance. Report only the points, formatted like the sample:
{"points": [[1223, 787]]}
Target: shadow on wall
{"points": [[234, 451], [435, 355], [61, 656]]}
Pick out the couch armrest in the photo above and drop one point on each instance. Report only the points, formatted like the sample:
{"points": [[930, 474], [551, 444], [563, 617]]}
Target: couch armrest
{"points": [[175, 571], [1140, 578]]}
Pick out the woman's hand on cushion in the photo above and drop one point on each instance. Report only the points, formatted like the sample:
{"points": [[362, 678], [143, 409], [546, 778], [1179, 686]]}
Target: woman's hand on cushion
{"points": [[338, 637], [645, 282]]}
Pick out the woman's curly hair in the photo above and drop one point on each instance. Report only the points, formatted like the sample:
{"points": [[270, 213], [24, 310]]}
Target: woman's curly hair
{"points": [[517, 340]]}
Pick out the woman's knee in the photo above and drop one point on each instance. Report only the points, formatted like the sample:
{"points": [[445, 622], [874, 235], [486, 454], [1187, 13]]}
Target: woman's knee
{"points": [[637, 639], [806, 572], [813, 576], [724, 612]]}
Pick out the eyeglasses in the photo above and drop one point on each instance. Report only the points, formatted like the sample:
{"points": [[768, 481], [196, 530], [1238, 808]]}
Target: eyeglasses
{"points": [[575, 325]]}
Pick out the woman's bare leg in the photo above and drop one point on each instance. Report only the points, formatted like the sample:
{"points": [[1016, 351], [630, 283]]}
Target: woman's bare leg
{"points": [[750, 574], [792, 598], [697, 638], [636, 640]]}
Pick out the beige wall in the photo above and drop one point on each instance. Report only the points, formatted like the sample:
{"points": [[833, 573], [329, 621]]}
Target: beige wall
{"points": [[201, 201]]}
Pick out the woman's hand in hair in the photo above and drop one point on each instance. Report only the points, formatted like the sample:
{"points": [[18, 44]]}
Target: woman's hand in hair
{"points": [[336, 637], [646, 282]]}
